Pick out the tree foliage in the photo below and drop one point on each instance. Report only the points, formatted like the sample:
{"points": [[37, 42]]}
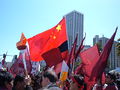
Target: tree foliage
{"points": [[99, 46], [118, 47]]}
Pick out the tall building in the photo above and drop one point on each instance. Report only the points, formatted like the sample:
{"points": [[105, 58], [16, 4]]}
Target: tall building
{"points": [[114, 59], [86, 47], [74, 23]]}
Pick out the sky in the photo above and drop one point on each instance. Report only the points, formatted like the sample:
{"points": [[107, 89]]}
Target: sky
{"points": [[35, 16]]}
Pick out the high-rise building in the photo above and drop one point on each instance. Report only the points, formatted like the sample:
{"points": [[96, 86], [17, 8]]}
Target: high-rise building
{"points": [[114, 59], [74, 23], [86, 47]]}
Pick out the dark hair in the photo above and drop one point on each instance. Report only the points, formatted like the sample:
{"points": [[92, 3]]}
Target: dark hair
{"points": [[36, 81], [79, 79], [51, 75], [18, 78], [112, 76], [5, 77]]}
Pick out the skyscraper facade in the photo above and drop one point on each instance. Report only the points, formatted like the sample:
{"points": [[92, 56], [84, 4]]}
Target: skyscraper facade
{"points": [[114, 59], [74, 23]]}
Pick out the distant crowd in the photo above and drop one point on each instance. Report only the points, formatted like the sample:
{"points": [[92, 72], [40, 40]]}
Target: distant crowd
{"points": [[48, 80]]}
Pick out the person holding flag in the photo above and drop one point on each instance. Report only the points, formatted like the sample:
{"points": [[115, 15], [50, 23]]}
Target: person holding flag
{"points": [[77, 82], [109, 83], [3, 61]]}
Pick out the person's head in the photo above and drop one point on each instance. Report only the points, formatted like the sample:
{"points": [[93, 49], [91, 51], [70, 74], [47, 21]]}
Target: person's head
{"points": [[49, 77], [110, 78], [77, 82], [36, 81], [19, 82], [6, 80], [4, 55]]}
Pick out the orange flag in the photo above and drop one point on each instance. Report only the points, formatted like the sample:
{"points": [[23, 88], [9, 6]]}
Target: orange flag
{"points": [[18, 66], [22, 43], [47, 40]]}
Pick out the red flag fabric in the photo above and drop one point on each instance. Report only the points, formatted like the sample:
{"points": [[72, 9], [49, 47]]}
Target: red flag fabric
{"points": [[71, 56], [65, 55], [80, 48], [47, 40], [79, 69], [102, 62], [18, 66], [89, 59], [3, 61], [52, 57], [64, 50]]}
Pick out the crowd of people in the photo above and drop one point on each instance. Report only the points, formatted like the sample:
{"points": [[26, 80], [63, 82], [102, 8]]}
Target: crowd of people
{"points": [[48, 80]]}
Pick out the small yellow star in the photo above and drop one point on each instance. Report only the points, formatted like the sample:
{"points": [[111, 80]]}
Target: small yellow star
{"points": [[58, 28], [54, 37]]}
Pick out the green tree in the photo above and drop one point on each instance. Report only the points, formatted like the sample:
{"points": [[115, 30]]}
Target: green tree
{"points": [[99, 46], [118, 47]]}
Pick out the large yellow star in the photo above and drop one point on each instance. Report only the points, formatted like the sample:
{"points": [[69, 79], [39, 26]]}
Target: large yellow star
{"points": [[58, 28]]}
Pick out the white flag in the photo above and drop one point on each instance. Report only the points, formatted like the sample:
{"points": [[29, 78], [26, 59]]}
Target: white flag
{"points": [[64, 71]]}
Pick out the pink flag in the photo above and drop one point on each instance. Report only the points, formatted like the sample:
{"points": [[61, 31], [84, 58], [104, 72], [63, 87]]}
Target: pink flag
{"points": [[89, 59], [18, 66]]}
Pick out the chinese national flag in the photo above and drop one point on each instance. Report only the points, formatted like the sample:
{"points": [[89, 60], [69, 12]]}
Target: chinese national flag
{"points": [[52, 57], [47, 40]]}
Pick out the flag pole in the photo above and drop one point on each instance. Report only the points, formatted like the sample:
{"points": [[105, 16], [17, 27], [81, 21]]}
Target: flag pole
{"points": [[74, 52], [78, 51], [73, 65], [21, 45], [24, 61]]}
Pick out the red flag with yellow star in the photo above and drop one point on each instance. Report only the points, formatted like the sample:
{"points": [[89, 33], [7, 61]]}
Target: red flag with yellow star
{"points": [[45, 41]]}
